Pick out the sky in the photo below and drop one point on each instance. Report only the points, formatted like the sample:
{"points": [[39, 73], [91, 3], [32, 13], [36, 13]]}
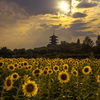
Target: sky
{"points": [[29, 23]]}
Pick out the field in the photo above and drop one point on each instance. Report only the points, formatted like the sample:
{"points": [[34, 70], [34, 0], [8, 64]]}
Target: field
{"points": [[49, 79]]}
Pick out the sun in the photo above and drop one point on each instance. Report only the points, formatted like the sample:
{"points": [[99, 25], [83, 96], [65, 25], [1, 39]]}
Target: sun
{"points": [[64, 6]]}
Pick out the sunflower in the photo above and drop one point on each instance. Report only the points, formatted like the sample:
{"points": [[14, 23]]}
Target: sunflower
{"points": [[63, 77], [86, 70], [32, 60], [19, 67], [26, 68], [98, 78], [15, 76], [41, 67], [50, 71], [37, 71], [29, 67], [21, 64], [8, 84], [16, 65], [1, 64], [36, 63], [65, 67], [11, 67], [45, 72], [49, 65], [56, 68], [74, 72], [30, 88], [46, 68], [25, 63]]}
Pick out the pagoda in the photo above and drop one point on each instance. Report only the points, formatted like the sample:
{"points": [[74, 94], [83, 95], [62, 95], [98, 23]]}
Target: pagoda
{"points": [[98, 41], [53, 40]]}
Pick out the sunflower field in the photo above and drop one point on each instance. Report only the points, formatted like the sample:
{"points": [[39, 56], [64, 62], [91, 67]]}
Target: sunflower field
{"points": [[49, 79]]}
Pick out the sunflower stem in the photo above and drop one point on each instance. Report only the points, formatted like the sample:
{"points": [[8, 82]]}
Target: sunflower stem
{"points": [[62, 86], [49, 84], [18, 89], [98, 93], [1, 98]]}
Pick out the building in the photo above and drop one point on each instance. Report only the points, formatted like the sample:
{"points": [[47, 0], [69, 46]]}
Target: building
{"points": [[53, 40], [98, 41]]}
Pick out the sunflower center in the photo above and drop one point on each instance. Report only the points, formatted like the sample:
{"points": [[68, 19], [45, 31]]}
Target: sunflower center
{"points": [[15, 65], [37, 75], [11, 67], [15, 76], [25, 63], [0, 64], [8, 82], [56, 68], [19, 66], [30, 87], [36, 71], [35, 63], [74, 72], [45, 72], [86, 69], [63, 76], [65, 67], [29, 66]]}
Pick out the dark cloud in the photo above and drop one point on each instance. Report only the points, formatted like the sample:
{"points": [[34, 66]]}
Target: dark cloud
{"points": [[84, 33], [78, 15], [78, 26], [44, 25], [35, 7], [77, 21], [55, 17], [94, 20], [96, 0], [86, 4]]}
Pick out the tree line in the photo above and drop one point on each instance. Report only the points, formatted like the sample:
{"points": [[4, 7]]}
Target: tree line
{"points": [[63, 50]]}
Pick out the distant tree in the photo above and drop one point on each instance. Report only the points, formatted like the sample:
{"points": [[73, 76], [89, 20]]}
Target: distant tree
{"points": [[5, 52], [22, 51], [88, 41], [78, 41], [29, 51], [98, 41]]}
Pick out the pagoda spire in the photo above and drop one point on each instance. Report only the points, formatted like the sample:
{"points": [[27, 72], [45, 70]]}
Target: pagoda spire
{"points": [[53, 32]]}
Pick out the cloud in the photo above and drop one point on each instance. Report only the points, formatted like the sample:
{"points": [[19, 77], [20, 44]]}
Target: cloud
{"points": [[55, 26], [44, 25], [78, 26], [96, 0], [94, 20], [35, 7], [84, 33], [86, 4], [79, 15], [77, 21]]}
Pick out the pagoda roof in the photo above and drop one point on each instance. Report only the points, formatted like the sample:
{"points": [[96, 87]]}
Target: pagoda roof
{"points": [[53, 36]]}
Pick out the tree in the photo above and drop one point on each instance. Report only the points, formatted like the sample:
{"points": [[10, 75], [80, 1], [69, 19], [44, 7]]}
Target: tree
{"points": [[5, 52], [78, 41], [98, 41], [88, 41]]}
